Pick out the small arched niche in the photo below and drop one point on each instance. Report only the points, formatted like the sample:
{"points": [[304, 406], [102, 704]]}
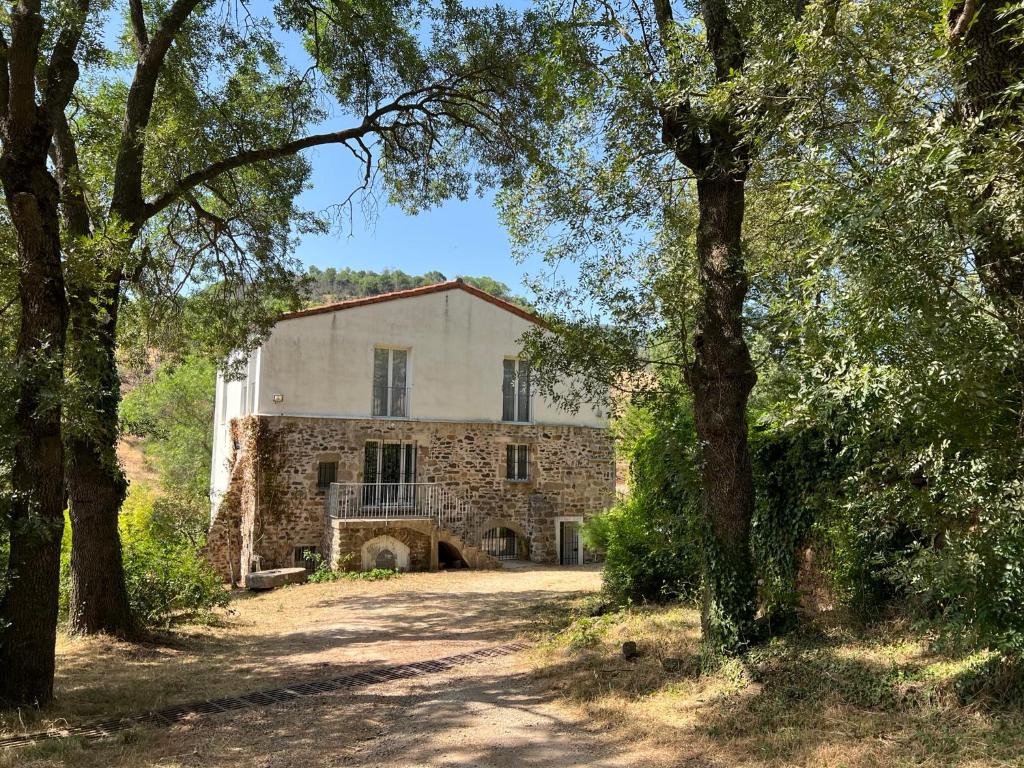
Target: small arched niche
{"points": [[385, 552]]}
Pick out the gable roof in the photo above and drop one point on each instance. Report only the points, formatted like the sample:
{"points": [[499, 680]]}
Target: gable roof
{"points": [[450, 285]]}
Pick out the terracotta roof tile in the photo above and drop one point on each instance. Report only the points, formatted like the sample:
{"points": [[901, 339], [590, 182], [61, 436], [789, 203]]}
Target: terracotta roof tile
{"points": [[449, 285]]}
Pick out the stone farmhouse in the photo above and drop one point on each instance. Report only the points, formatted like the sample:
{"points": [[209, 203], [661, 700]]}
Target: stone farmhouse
{"points": [[401, 431]]}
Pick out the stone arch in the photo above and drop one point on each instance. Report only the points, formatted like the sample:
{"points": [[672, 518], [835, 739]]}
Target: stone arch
{"points": [[449, 555], [491, 527], [385, 552], [504, 522]]}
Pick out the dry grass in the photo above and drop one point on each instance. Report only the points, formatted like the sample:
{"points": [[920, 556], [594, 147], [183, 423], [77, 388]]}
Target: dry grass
{"points": [[297, 633], [829, 697], [131, 452]]}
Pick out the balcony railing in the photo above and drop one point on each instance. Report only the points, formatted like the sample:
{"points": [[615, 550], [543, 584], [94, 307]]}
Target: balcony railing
{"points": [[403, 501]]}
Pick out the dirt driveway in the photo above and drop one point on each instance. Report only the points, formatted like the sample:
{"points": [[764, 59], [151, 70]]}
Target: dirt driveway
{"points": [[487, 714]]}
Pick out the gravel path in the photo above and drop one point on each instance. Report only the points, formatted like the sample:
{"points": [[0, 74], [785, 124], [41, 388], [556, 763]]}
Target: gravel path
{"points": [[489, 714]]}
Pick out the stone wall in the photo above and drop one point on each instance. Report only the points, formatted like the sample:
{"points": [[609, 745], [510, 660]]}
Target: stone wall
{"points": [[274, 469], [347, 539]]}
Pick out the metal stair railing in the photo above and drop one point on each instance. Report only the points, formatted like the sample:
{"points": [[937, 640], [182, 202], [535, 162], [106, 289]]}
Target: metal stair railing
{"points": [[404, 501]]}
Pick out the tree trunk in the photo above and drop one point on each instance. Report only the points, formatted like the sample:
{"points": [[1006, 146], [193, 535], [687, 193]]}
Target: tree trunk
{"points": [[991, 64], [722, 376], [96, 484], [29, 605]]}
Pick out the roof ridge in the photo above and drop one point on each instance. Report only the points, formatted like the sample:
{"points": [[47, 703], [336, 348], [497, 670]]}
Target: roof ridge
{"points": [[422, 290]]}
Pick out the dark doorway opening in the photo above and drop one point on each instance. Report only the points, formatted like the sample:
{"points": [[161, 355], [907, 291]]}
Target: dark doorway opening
{"points": [[570, 541], [448, 556]]}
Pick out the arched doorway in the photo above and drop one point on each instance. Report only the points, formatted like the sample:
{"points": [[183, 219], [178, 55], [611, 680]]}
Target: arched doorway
{"points": [[448, 556], [501, 543]]}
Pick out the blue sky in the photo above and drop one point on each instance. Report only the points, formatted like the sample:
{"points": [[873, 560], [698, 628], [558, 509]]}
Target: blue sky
{"points": [[459, 237]]}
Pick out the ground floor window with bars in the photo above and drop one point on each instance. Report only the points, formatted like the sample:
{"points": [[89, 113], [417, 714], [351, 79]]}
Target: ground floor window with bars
{"points": [[501, 543], [307, 557], [517, 462]]}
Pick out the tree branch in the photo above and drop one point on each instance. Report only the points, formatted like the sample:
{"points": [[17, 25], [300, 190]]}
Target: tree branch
{"points": [[411, 102], [138, 21], [69, 181], [960, 20], [26, 31], [193, 180], [62, 69], [5, 83], [127, 200], [724, 40]]}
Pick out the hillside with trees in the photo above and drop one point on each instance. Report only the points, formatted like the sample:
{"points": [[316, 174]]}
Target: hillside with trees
{"points": [[327, 285]]}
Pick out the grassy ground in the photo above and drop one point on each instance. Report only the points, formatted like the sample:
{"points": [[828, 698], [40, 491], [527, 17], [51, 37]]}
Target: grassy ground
{"points": [[830, 696], [826, 697], [307, 632]]}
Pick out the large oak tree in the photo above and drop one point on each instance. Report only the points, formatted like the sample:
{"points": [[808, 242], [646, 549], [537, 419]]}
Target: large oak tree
{"points": [[176, 165]]}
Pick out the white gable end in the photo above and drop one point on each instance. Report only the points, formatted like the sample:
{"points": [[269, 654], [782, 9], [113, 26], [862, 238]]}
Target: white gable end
{"points": [[451, 343]]}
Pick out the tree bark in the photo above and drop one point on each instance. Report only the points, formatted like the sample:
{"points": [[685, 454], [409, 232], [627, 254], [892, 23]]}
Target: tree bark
{"points": [[990, 64], [722, 373], [96, 484], [28, 608], [29, 605], [722, 377]]}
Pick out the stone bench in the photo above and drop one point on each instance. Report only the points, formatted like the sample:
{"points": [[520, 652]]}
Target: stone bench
{"points": [[277, 577]]}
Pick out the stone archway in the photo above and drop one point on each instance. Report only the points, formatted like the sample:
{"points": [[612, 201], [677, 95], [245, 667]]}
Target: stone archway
{"points": [[385, 552], [504, 540]]}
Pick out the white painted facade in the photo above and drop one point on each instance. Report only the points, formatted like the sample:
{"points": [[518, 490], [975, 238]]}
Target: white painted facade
{"points": [[322, 364]]}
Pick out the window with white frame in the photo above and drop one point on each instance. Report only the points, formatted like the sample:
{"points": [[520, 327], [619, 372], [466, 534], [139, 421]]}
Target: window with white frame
{"points": [[390, 382], [517, 461], [515, 390]]}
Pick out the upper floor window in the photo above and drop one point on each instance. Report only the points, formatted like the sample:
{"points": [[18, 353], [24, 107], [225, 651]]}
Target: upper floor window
{"points": [[390, 377], [515, 390]]}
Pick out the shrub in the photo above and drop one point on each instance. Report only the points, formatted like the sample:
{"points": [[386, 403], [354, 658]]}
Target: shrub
{"points": [[167, 577], [323, 572], [648, 557], [651, 539]]}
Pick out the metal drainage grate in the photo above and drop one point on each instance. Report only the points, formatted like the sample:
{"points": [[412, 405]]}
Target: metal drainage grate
{"points": [[172, 715]]}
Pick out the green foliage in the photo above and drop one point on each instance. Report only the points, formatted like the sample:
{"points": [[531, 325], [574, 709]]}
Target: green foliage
{"points": [[653, 538], [326, 285], [172, 411], [323, 573], [168, 579], [650, 539]]}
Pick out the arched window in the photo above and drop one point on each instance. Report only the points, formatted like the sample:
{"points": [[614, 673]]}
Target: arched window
{"points": [[501, 543]]}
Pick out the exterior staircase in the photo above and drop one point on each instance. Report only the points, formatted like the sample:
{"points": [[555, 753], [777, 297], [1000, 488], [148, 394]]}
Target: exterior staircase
{"points": [[452, 519]]}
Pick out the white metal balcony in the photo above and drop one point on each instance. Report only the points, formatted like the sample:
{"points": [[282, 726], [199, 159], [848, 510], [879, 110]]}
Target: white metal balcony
{"points": [[403, 501]]}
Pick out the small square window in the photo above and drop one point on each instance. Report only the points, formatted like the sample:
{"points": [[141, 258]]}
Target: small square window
{"points": [[517, 461], [326, 473], [306, 557]]}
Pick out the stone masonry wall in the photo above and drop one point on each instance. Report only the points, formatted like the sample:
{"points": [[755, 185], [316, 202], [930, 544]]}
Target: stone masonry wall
{"points": [[571, 473]]}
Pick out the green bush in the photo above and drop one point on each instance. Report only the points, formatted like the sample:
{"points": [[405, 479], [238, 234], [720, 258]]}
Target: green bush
{"points": [[651, 538], [322, 572], [648, 557], [167, 577]]}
